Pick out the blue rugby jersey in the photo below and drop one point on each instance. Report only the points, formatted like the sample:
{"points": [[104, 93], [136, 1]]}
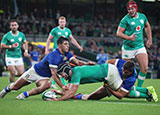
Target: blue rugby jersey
{"points": [[130, 81], [51, 60]]}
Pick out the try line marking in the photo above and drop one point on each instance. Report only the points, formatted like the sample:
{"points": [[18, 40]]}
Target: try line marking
{"points": [[120, 103]]}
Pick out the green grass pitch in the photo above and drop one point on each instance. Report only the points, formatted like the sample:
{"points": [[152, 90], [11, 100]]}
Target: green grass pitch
{"points": [[34, 105]]}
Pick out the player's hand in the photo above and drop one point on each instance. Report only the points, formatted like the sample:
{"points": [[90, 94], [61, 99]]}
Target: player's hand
{"points": [[91, 63], [57, 91], [15, 45], [46, 52], [132, 37], [65, 87], [26, 54], [149, 43], [81, 49]]}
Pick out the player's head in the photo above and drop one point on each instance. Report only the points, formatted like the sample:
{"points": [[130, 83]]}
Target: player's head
{"points": [[132, 8], [128, 69], [62, 22], [64, 70], [63, 44], [14, 25]]}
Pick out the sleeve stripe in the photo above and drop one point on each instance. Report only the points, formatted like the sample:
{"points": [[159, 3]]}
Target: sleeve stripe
{"points": [[124, 89], [71, 58], [54, 66], [116, 62]]}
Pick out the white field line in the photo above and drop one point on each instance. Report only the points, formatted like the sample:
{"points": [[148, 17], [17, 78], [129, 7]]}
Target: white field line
{"points": [[120, 103]]}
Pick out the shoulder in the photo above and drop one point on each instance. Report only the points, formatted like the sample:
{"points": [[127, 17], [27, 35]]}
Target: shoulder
{"points": [[125, 17], [66, 28], [54, 29], [120, 62], [20, 33]]}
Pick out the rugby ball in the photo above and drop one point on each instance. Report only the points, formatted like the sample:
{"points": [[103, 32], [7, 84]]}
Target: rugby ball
{"points": [[48, 95]]}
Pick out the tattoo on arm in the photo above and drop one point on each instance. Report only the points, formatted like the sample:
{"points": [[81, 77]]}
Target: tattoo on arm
{"points": [[38, 90]]}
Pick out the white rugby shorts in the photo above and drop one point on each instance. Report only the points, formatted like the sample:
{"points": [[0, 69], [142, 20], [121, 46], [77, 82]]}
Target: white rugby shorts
{"points": [[128, 54], [14, 61], [31, 76]]}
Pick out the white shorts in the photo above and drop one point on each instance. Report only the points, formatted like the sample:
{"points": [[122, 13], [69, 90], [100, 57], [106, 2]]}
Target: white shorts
{"points": [[113, 79], [128, 54], [14, 61], [32, 76]]}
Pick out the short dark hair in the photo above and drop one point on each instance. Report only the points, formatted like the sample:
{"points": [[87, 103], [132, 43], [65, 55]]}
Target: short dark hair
{"points": [[13, 20], [61, 40], [129, 65]]}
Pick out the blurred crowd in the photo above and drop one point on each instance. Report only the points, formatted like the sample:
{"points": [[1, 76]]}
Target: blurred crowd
{"points": [[101, 31]]}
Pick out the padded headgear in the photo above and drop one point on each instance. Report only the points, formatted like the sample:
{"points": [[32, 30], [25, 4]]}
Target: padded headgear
{"points": [[131, 4], [64, 68]]}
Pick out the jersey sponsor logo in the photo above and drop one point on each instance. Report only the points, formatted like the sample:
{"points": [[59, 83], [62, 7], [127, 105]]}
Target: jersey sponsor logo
{"points": [[59, 33], [12, 40], [138, 28], [66, 33], [142, 21], [132, 23], [20, 39]]}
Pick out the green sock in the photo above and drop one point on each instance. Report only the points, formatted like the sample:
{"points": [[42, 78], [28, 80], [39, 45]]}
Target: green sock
{"points": [[63, 81], [137, 94], [141, 78], [140, 89]]}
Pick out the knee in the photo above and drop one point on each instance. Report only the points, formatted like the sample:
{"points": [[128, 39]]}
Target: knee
{"points": [[45, 86], [144, 69], [12, 73]]}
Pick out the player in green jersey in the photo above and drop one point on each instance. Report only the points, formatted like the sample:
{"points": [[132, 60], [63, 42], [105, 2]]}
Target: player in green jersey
{"points": [[131, 30], [106, 73], [56, 33], [59, 31], [12, 42]]}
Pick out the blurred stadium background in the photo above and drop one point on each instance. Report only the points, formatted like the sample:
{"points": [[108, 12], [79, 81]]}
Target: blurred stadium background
{"points": [[93, 24]]}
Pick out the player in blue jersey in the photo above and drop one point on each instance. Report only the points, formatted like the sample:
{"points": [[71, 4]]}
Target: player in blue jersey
{"points": [[34, 55], [41, 72]]}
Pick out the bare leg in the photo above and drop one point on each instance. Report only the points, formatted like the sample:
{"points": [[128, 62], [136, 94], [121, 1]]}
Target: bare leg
{"points": [[11, 69], [42, 86], [20, 69], [96, 95], [142, 60]]}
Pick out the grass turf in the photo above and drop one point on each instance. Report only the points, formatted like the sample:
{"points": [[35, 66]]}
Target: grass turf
{"points": [[34, 105]]}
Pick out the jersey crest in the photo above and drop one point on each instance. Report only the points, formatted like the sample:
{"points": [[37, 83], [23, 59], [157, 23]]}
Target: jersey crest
{"points": [[142, 21], [20, 39]]}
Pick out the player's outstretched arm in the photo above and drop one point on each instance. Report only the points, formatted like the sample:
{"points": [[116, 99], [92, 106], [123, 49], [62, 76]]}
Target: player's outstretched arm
{"points": [[73, 40], [48, 44], [119, 94], [80, 62]]}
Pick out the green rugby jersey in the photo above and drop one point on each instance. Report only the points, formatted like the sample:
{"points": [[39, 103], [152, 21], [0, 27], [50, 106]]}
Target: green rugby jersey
{"points": [[10, 39], [133, 26], [57, 32], [89, 74]]}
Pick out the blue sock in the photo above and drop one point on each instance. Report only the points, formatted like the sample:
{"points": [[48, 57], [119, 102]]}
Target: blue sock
{"points": [[78, 96], [25, 94], [6, 89]]}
